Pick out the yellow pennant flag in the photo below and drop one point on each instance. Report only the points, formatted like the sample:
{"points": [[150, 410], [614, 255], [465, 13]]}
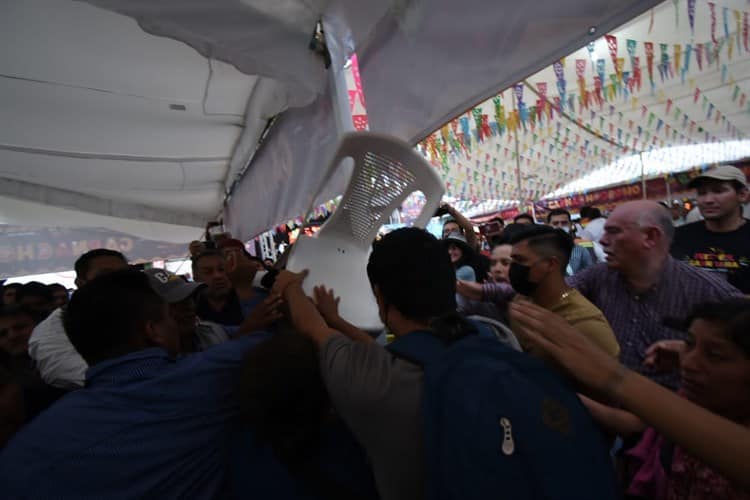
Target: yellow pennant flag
{"points": [[737, 23], [691, 83], [730, 49], [677, 58], [661, 96], [620, 67], [445, 132]]}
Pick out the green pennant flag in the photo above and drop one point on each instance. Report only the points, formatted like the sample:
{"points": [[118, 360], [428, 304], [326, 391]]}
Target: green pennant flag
{"points": [[736, 93], [651, 118], [677, 114]]}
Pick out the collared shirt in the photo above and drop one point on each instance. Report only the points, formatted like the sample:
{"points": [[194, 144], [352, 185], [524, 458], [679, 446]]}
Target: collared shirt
{"points": [[638, 318], [580, 259], [146, 425]]}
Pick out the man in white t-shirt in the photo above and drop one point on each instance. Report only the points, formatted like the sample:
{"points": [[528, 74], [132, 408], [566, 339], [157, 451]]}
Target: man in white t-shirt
{"points": [[593, 224], [57, 360]]}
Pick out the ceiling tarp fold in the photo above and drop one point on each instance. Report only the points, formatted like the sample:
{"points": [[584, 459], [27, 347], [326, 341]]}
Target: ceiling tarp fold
{"points": [[422, 62], [135, 126], [259, 37], [167, 122]]}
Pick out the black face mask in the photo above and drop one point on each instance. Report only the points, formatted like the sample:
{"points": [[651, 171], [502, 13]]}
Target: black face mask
{"points": [[518, 274]]}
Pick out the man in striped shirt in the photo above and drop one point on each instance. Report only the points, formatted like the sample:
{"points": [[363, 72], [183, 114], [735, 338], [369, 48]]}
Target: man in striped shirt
{"points": [[641, 287]]}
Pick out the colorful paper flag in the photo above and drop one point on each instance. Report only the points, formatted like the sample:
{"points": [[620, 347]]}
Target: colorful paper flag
{"points": [[712, 10], [612, 45]]}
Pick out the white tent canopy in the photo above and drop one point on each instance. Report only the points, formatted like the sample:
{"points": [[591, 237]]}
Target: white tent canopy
{"points": [[133, 112], [668, 91]]}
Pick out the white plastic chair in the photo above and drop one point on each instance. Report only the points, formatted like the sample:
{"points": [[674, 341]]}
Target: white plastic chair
{"points": [[386, 170]]}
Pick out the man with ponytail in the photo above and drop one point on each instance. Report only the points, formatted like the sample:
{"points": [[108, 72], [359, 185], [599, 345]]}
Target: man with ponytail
{"points": [[376, 392], [415, 405]]}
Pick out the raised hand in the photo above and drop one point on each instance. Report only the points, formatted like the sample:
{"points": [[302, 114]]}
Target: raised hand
{"points": [[550, 334], [287, 278], [264, 315], [327, 303], [664, 356]]}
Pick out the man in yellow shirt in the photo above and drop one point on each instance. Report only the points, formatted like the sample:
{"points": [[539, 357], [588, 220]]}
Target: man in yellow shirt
{"points": [[537, 273]]}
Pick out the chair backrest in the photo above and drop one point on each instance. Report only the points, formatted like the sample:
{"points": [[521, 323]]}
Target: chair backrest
{"points": [[386, 170]]}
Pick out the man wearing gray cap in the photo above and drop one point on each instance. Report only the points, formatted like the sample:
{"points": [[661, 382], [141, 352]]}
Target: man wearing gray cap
{"points": [[195, 335], [721, 242]]}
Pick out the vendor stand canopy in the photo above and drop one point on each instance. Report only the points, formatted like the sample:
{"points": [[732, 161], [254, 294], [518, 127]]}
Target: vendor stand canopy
{"points": [[663, 93], [145, 117]]}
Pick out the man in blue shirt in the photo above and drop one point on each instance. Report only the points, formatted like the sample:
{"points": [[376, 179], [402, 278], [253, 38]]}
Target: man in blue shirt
{"points": [[147, 424]]}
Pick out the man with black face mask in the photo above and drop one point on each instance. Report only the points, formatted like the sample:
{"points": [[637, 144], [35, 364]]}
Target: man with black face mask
{"points": [[537, 272]]}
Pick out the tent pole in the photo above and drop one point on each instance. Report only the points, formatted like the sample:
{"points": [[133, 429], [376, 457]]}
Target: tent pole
{"points": [[337, 84], [643, 175], [518, 170]]}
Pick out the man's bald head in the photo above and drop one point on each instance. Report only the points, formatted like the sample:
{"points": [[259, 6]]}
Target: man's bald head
{"points": [[647, 213], [636, 234]]}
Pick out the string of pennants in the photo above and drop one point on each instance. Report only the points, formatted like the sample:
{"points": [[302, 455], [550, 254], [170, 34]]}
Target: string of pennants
{"points": [[573, 132]]}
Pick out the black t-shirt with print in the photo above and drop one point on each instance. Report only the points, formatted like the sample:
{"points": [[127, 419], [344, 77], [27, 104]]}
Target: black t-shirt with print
{"points": [[725, 253]]}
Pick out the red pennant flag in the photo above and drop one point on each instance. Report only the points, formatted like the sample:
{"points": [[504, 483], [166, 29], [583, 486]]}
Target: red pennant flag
{"points": [[598, 91], [644, 110], [742, 101], [650, 60], [542, 88], [669, 105], [696, 95], [699, 55], [486, 126], [612, 44]]}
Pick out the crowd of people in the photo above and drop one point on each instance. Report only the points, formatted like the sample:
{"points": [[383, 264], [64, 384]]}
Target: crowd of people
{"points": [[599, 359]]}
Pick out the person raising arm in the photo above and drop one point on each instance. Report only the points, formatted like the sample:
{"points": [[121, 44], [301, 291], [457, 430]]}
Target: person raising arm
{"points": [[719, 442]]}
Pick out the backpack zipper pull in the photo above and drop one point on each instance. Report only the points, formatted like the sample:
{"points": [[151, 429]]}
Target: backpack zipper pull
{"points": [[508, 444]]}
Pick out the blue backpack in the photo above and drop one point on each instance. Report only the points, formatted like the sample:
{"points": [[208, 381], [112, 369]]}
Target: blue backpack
{"points": [[499, 423]]}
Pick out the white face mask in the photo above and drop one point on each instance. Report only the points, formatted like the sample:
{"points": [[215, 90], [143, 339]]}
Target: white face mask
{"points": [[565, 228]]}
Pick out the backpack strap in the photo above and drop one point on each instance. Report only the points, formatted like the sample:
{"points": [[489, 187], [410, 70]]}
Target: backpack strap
{"points": [[421, 348]]}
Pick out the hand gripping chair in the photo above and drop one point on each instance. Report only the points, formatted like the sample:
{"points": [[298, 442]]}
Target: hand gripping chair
{"points": [[386, 170]]}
